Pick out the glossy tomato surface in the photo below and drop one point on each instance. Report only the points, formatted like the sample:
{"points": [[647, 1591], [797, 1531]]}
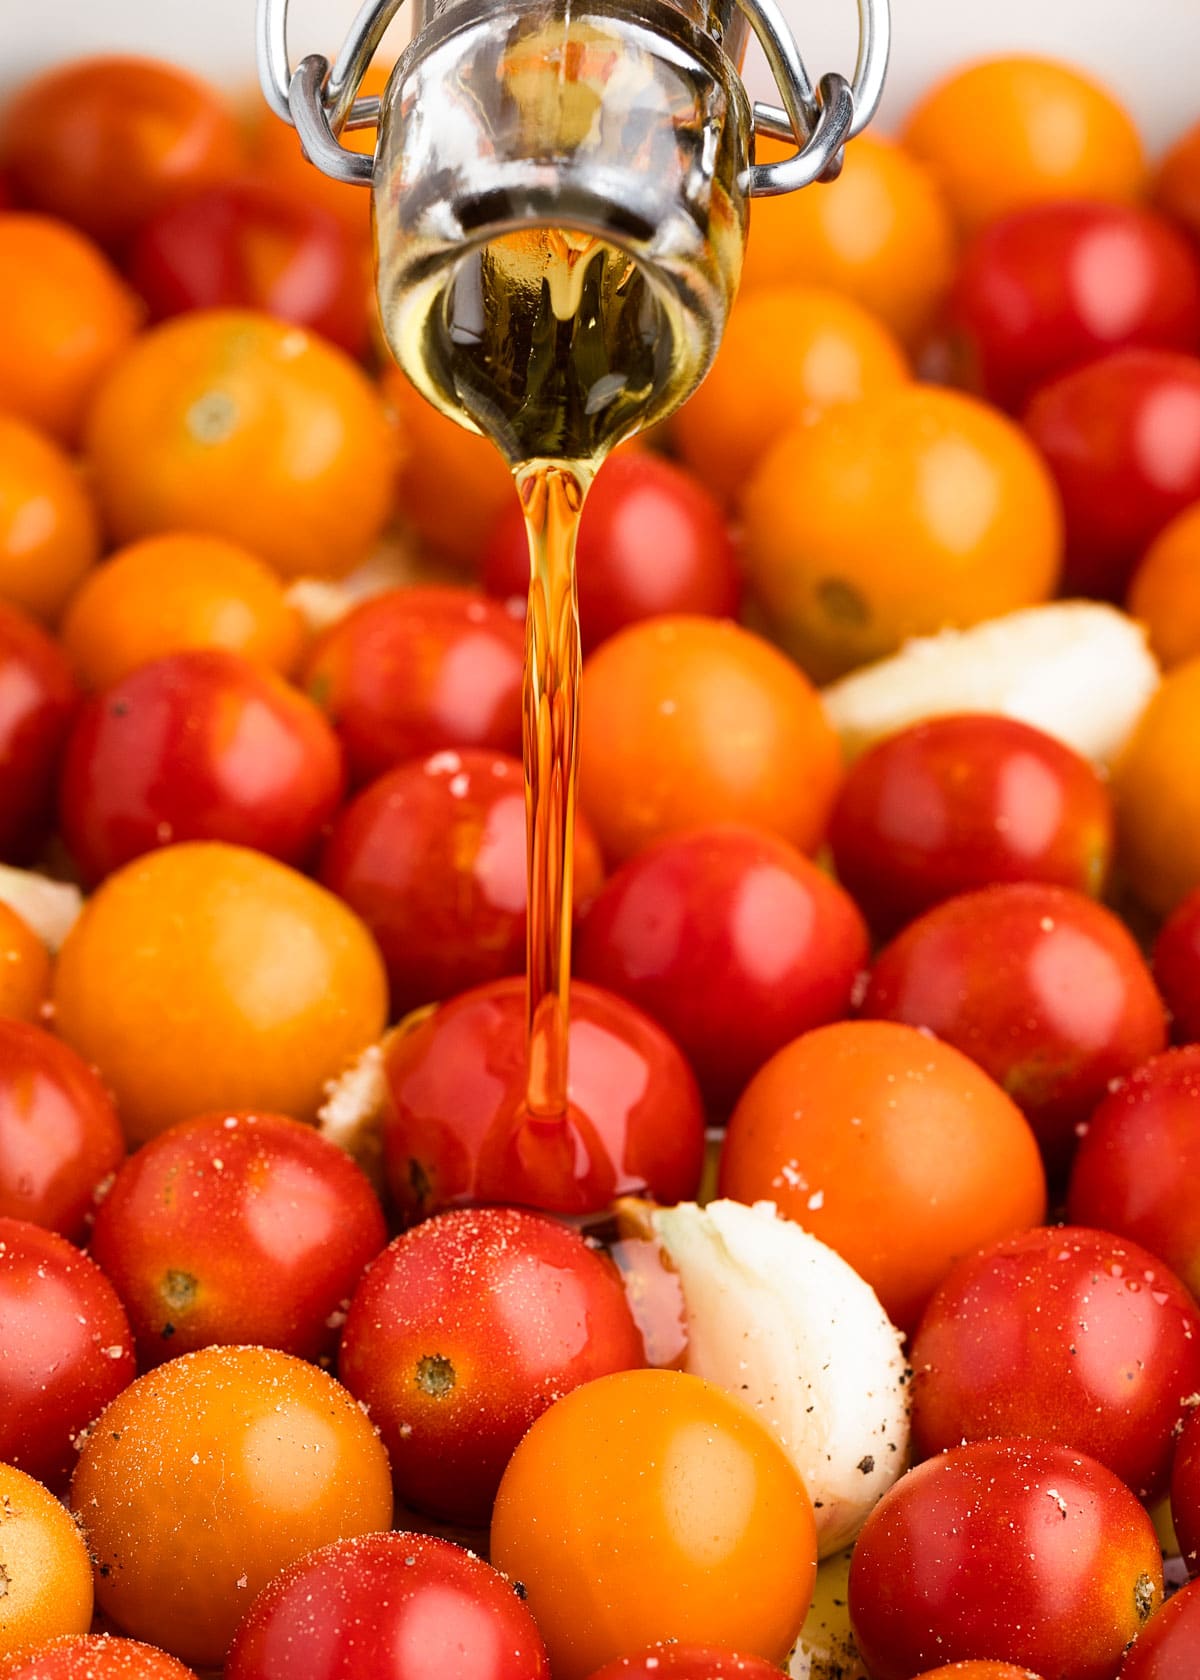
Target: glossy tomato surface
{"points": [[207, 1477], [59, 1133], [201, 745], [457, 1129], [1169, 1648], [37, 700], [463, 1332], [65, 1349], [246, 243], [732, 940], [232, 1228], [1021, 1548], [1122, 438], [894, 1149], [432, 857], [1067, 1334], [391, 1606], [417, 670], [649, 1506], [1137, 1163], [1057, 285], [652, 540], [1045, 989], [962, 802]]}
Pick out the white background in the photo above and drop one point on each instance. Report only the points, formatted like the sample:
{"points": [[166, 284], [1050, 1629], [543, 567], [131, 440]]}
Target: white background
{"points": [[1148, 49]]}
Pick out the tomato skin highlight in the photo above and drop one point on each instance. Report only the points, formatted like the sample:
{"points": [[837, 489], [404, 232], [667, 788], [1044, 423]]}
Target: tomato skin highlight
{"points": [[237, 1228], [392, 1606], [1044, 1558], [461, 1334]]}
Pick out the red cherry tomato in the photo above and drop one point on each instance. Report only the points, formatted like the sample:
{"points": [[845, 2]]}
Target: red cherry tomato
{"points": [[687, 1662], [1122, 438], [65, 1350], [432, 857], [962, 802], [652, 541], [733, 941], [1025, 1549], [1169, 1649], [1068, 1334], [1177, 967], [416, 670], [201, 745], [456, 1128], [463, 1332], [392, 1606], [59, 1132], [1051, 287], [37, 700], [1138, 1163], [248, 244], [1043, 988], [93, 1656], [232, 1228], [1185, 1493]]}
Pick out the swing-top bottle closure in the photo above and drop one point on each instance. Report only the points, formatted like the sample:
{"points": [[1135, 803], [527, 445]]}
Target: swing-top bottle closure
{"points": [[322, 99]]}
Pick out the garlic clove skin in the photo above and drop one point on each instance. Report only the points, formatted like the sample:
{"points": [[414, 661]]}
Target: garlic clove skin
{"points": [[778, 1319], [826, 1648]]}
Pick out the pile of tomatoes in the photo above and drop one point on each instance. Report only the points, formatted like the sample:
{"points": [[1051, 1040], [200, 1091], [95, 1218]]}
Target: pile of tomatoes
{"points": [[261, 650]]}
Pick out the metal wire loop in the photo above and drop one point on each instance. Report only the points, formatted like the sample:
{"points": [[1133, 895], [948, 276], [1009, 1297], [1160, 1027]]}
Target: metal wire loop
{"points": [[818, 124]]}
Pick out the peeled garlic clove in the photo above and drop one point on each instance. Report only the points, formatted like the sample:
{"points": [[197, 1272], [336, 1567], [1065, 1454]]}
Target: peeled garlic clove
{"points": [[1079, 670], [781, 1321]]}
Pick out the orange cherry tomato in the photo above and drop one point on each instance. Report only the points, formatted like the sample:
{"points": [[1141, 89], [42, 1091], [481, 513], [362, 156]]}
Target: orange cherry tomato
{"points": [[897, 516], [44, 1566], [1007, 132], [105, 142], [48, 527], [24, 969], [243, 985], [1165, 590], [686, 722], [453, 483], [1177, 189], [94, 1656], [65, 317], [651, 1505], [206, 1477], [981, 1670], [881, 234], [789, 354], [176, 591], [229, 422], [889, 1146], [1158, 793]]}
